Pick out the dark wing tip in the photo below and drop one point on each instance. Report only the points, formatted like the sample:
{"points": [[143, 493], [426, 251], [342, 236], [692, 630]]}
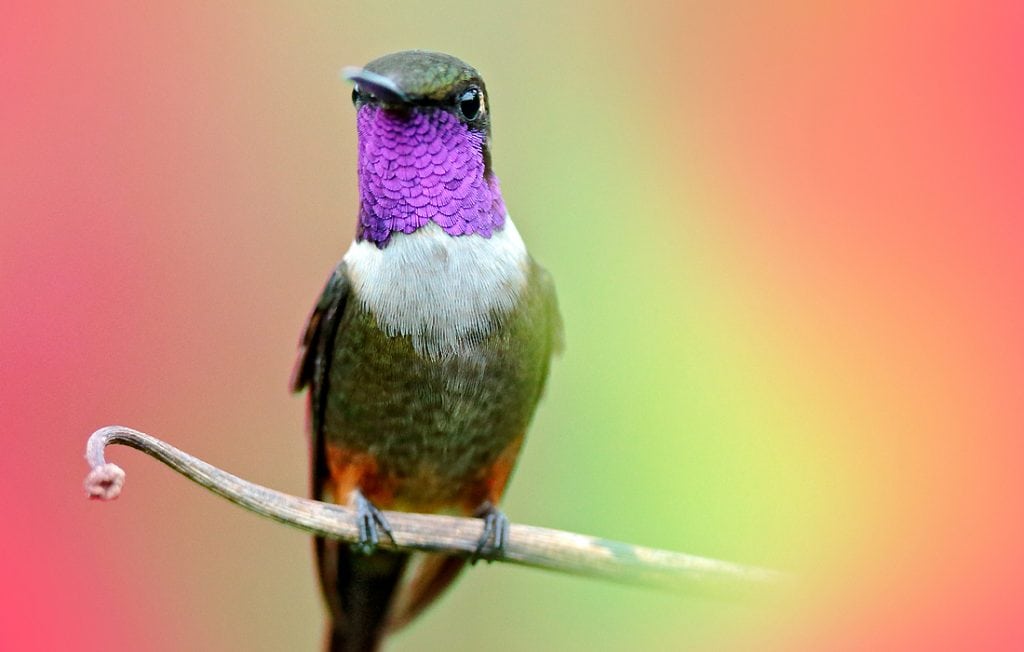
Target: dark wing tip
{"points": [[315, 338], [303, 370]]}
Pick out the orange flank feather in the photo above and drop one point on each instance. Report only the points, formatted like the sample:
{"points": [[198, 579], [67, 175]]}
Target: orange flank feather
{"points": [[430, 574]]}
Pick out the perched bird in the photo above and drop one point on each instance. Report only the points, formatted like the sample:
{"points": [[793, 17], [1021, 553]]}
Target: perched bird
{"points": [[429, 347]]}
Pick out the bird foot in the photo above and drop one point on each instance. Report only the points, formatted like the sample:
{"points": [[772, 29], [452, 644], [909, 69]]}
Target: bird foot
{"points": [[496, 529], [368, 519]]}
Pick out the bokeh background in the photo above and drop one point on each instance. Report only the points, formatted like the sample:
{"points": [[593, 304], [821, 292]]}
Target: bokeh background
{"points": [[788, 245]]}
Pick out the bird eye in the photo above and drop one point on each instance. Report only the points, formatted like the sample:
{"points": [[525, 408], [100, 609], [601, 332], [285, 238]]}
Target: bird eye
{"points": [[469, 104], [356, 95]]}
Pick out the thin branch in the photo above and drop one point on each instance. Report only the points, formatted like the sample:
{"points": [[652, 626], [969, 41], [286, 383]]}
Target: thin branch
{"points": [[567, 552]]}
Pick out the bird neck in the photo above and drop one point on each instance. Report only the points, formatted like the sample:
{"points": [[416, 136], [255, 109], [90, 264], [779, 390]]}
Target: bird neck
{"points": [[441, 291], [420, 167]]}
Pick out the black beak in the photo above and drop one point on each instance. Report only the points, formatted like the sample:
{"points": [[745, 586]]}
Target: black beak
{"points": [[381, 87]]}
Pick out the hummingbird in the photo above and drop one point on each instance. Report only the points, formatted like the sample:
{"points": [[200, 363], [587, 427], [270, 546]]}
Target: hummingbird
{"points": [[429, 347]]}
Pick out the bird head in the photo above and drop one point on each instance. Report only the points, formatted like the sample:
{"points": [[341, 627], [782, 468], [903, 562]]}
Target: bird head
{"points": [[424, 147]]}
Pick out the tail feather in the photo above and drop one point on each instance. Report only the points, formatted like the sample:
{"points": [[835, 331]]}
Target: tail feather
{"points": [[427, 581], [359, 590]]}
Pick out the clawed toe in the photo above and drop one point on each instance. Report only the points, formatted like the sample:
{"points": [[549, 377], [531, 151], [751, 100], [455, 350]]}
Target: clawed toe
{"points": [[368, 519], [495, 535]]}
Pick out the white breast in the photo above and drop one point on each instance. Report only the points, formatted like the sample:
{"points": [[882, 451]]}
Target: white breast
{"points": [[439, 289]]}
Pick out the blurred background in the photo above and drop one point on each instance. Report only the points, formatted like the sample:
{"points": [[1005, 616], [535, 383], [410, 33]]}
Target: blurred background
{"points": [[788, 246]]}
